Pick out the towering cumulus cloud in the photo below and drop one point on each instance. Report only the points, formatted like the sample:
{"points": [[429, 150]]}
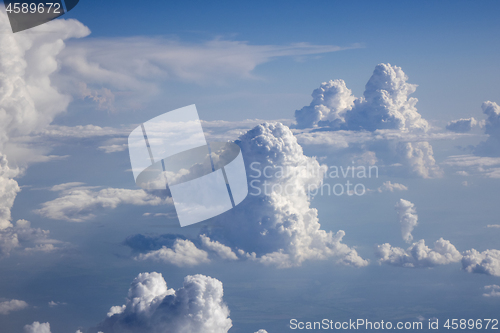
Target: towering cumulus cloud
{"points": [[153, 308], [490, 147], [418, 254], [385, 104], [28, 100], [407, 217], [275, 224], [8, 191], [328, 107], [385, 122]]}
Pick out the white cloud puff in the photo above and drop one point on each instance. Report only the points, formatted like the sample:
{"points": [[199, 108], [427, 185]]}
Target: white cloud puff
{"points": [[183, 253], [418, 254], [461, 125], [328, 107], [222, 250], [79, 203], [386, 104], [486, 262], [153, 308], [418, 158], [408, 218], [21, 235], [37, 327], [7, 307], [494, 291], [387, 186]]}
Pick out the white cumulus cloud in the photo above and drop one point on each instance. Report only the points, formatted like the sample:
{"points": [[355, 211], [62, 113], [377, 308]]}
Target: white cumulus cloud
{"points": [[385, 122], [22, 236], [37, 327], [8, 191], [490, 147], [29, 98], [408, 218], [183, 253], [222, 250], [418, 254], [279, 227], [461, 125], [153, 308], [328, 107], [7, 307], [486, 262], [385, 104], [28, 102], [273, 227]]}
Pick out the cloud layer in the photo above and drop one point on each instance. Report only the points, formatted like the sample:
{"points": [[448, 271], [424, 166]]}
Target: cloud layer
{"points": [[114, 62], [78, 203]]}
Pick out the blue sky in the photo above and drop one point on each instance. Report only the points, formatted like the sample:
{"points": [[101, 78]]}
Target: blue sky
{"points": [[73, 89], [448, 48]]}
